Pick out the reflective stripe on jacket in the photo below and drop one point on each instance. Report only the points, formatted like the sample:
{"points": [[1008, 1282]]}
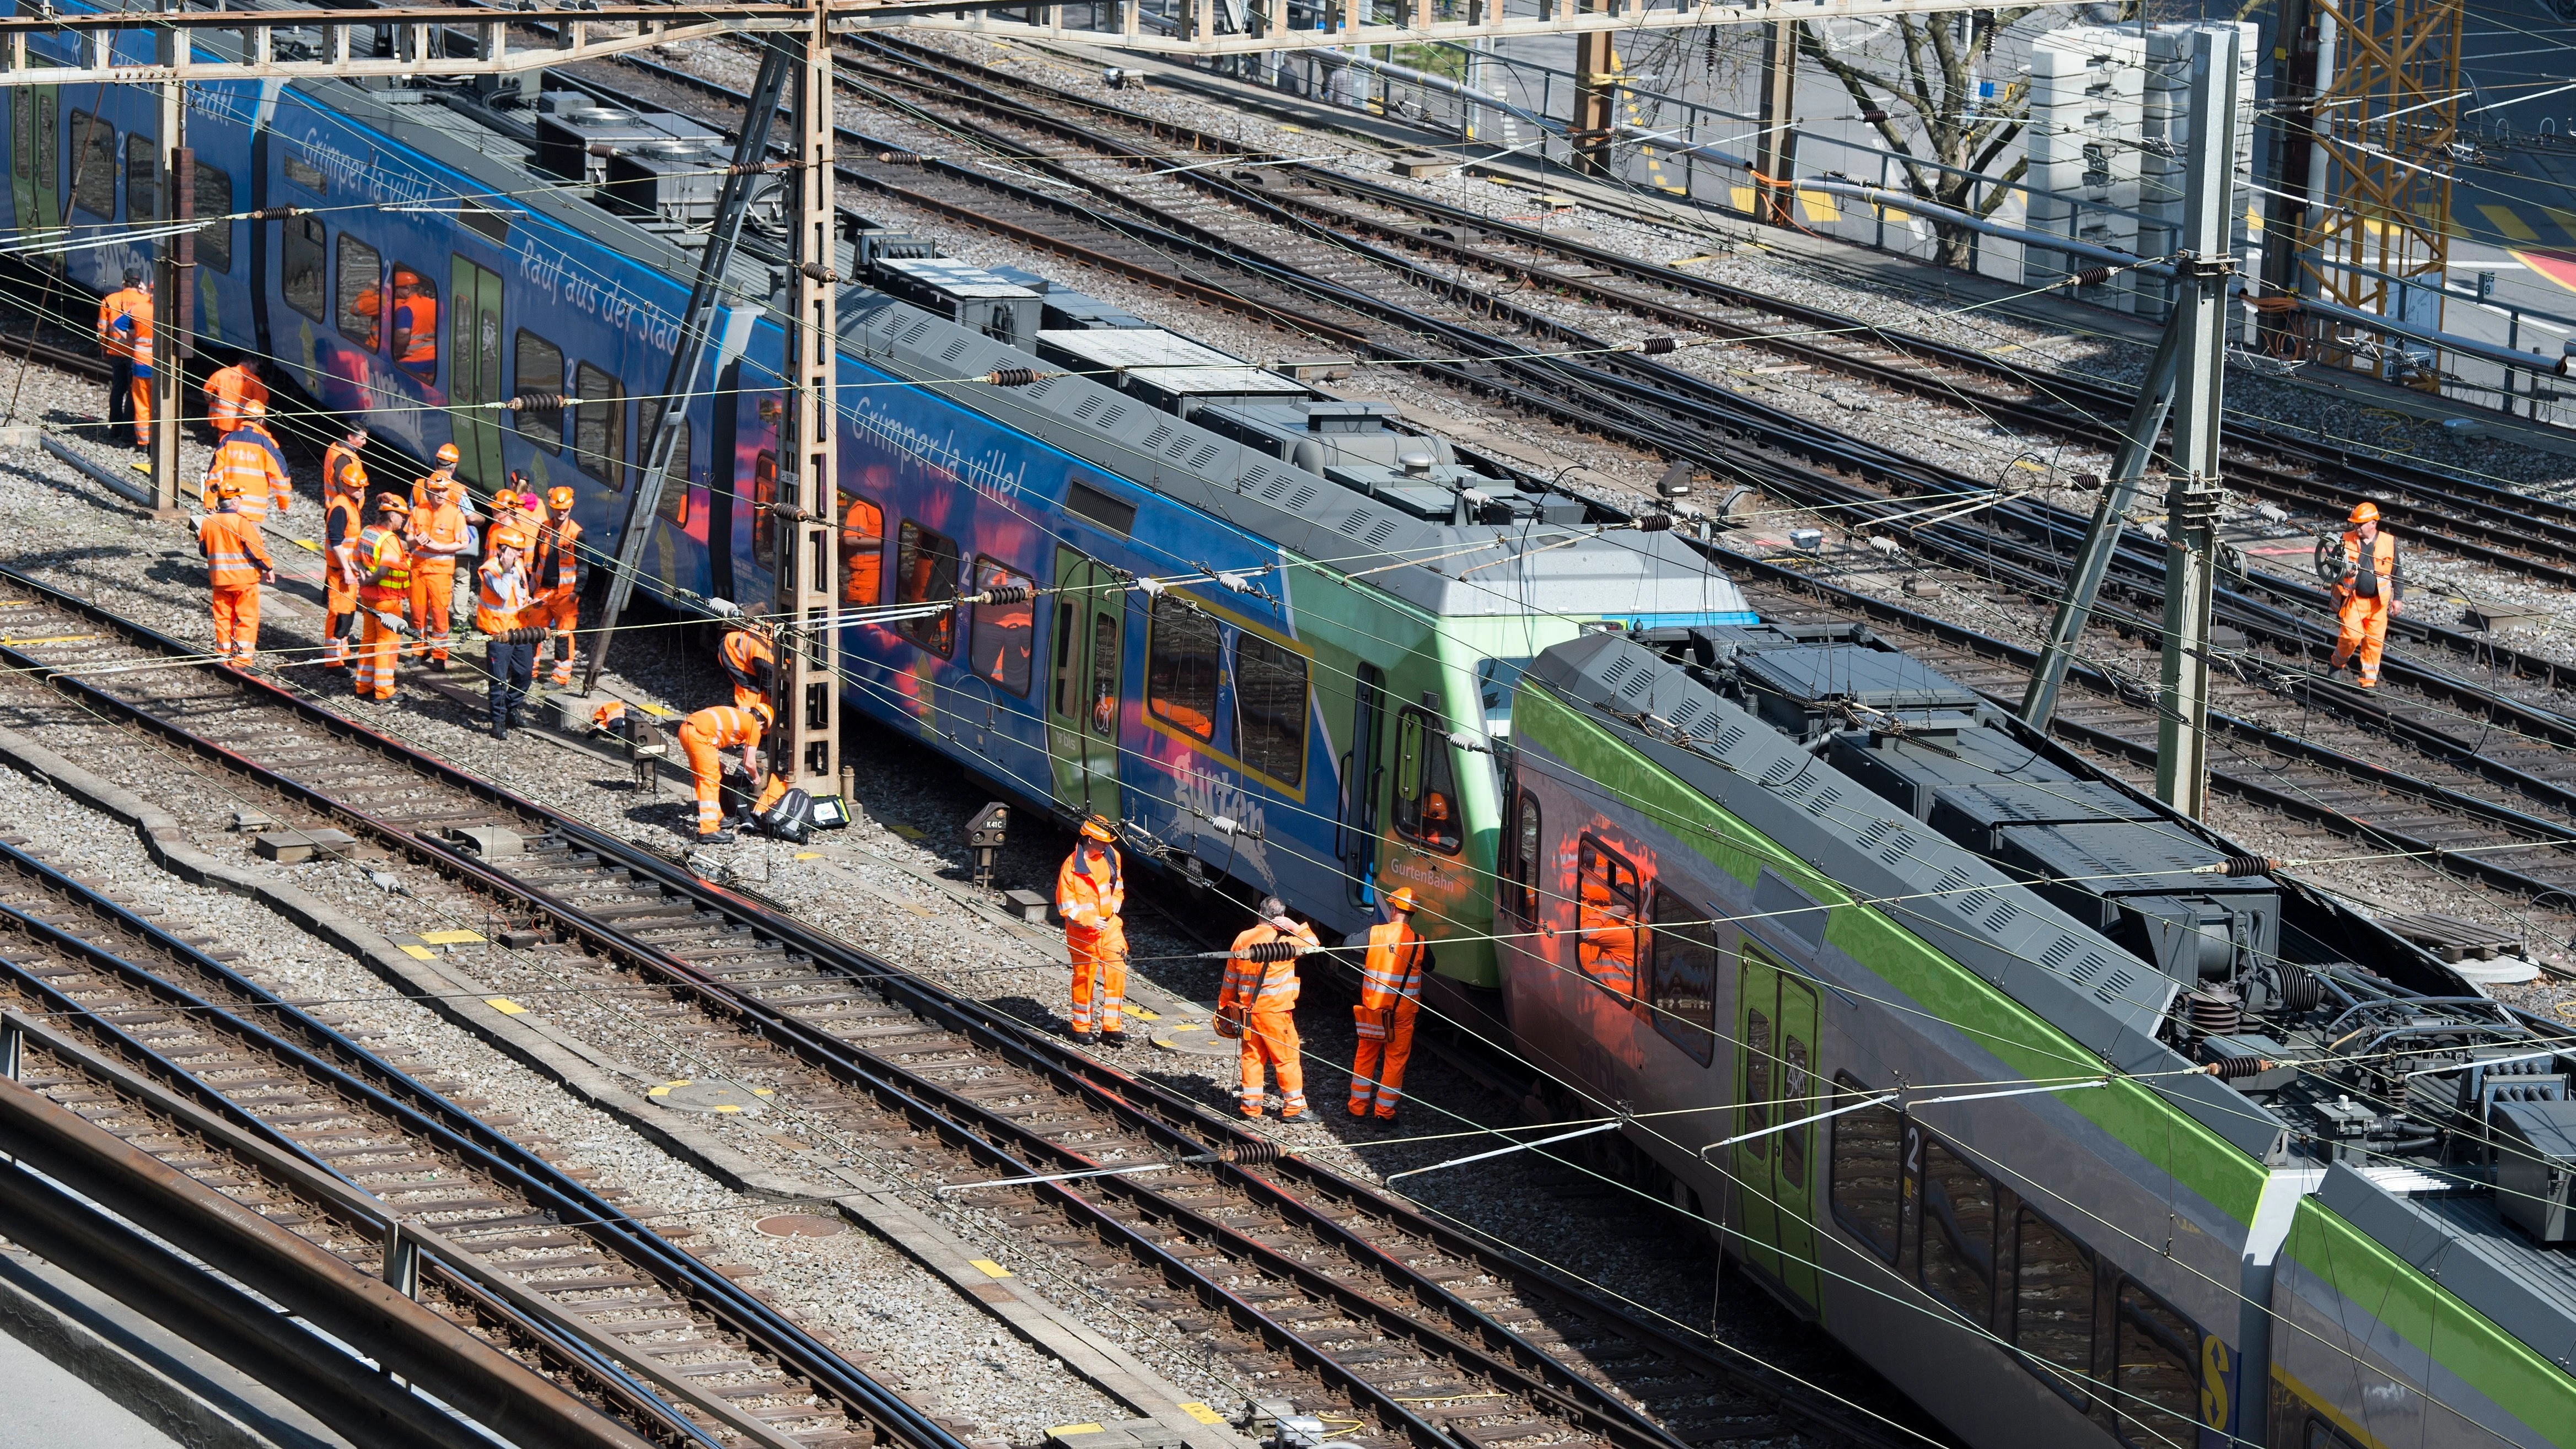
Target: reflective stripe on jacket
{"points": [[1393, 970], [341, 470], [252, 463], [726, 727], [2379, 581], [1088, 902], [1262, 985], [382, 548], [558, 564], [235, 553], [499, 594], [124, 318]]}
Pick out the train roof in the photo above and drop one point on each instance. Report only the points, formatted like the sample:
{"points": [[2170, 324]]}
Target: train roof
{"points": [[2434, 1120]]}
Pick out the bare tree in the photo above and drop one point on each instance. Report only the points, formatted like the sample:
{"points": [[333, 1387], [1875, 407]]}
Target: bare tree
{"points": [[1931, 112]]}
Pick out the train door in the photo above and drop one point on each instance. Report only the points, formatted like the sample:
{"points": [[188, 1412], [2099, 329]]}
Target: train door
{"points": [[35, 162], [474, 373], [1083, 691], [1362, 777], [1775, 1085]]}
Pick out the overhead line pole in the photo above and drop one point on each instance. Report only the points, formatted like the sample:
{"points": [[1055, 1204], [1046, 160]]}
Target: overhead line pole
{"points": [[173, 272], [733, 199], [804, 746], [2201, 271]]}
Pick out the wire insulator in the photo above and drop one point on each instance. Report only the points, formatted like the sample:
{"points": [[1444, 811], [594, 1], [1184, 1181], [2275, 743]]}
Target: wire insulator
{"points": [[1249, 1154], [1658, 346], [539, 401], [2229, 1069], [1874, 116], [1655, 523], [277, 213], [754, 168], [2248, 864], [1273, 951], [898, 158], [819, 272], [1011, 376], [2090, 277], [1008, 594], [2300, 989]]}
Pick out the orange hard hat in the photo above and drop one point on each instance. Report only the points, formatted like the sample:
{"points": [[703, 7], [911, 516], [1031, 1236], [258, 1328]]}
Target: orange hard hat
{"points": [[2365, 512], [254, 408], [447, 453], [1095, 828], [391, 503], [1402, 900], [509, 538], [560, 497], [614, 709], [767, 715], [226, 487]]}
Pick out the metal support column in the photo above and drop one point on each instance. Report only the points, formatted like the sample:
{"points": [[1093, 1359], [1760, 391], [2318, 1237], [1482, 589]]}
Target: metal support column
{"points": [[2093, 563], [170, 282], [2200, 368], [1775, 157], [1596, 95], [697, 327], [805, 747]]}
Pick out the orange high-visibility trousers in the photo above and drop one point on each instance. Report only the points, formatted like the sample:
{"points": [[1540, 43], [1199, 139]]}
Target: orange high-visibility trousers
{"points": [[339, 601], [2365, 627], [378, 649], [706, 771], [236, 621], [560, 613], [433, 592], [1270, 1039], [1099, 959], [1377, 1067], [141, 389]]}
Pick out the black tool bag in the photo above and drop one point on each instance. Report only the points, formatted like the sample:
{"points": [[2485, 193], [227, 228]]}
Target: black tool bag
{"points": [[791, 819]]}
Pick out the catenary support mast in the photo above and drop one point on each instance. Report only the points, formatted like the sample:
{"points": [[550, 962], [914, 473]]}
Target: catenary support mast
{"points": [[805, 747]]}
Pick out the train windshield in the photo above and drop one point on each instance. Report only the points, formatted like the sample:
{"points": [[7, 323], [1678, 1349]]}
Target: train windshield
{"points": [[1495, 681]]}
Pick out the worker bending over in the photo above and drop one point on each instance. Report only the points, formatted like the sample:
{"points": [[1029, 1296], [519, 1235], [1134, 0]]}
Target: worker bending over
{"points": [[2368, 593], [237, 563], [750, 660], [125, 336], [437, 537], [1259, 999], [248, 457], [706, 735], [1390, 995], [502, 603], [380, 570], [344, 496], [1090, 892], [230, 390], [555, 575]]}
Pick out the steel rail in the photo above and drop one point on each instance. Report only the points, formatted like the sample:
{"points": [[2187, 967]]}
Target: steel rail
{"points": [[1469, 1337]]}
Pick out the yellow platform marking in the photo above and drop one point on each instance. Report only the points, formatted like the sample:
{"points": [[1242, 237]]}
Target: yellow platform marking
{"points": [[308, 545], [991, 1269], [664, 1090], [2503, 219], [809, 855], [423, 953], [1687, 261], [2566, 220], [1065, 1431], [1142, 1014], [505, 1006], [1740, 197], [1818, 206], [1201, 1412], [450, 938], [48, 639]]}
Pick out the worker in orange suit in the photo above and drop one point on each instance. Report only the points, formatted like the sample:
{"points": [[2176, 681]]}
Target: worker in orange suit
{"points": [[502, 604], [250, 460], [415, 321], [2370, 590], [343, 471], [555, 576], [1390, 995], [1090, 893], [1259, 1000], [230, 387], [750, 660], [124, 324], [1605, 941], [237, 563], [437, 537], [341, 526], [706, 735], [382, 569], [433, 484]]}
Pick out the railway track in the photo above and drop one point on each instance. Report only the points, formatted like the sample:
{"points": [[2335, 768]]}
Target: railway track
{"points": [[143, 1034], [2478, 520], [1328, 1294]]}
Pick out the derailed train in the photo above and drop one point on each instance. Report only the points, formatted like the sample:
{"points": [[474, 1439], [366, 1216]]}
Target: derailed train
{"points": [[1742, 876]]}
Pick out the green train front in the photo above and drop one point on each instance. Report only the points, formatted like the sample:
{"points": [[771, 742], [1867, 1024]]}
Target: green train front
{"points": [[2128, 1142]]}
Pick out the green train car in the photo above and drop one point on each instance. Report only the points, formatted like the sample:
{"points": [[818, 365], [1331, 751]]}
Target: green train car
{"points": [[2078, 1123]]}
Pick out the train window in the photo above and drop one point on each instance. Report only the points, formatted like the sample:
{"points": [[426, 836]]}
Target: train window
{"points": [[1759, 1054], [94, 165], [2157, 1364], [361, 275], [142, 177], [536, 367], [1426, 793], [1270, 708], [764, 495], [1523, 845], [1607, 909], [1866, 1168], [599, 426], [300, 265], [925, 572], [1958, 1245], [1181, 666], [674, 503], [862, 545], [1681, 975], [2052, 1302], [1104, 675], [214, 198], [999, 646], [415, 328]]}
